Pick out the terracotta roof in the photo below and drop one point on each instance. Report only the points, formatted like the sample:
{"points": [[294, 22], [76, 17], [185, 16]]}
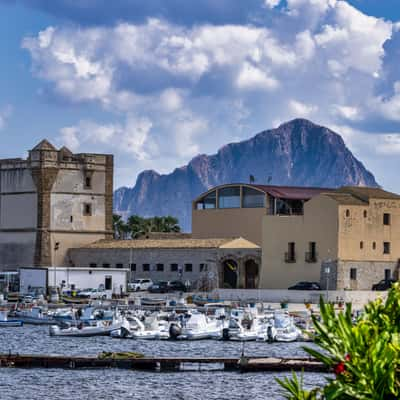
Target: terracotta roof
{"points": [[292, 192], [44, 145], [173, 244], [359, 195]]}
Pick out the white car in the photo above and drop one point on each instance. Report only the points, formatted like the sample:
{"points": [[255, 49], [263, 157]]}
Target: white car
{"points": [[95, 294], [139, 284]]}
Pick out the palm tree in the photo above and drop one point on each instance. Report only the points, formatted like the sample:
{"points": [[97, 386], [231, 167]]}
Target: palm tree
{"points": [[171, 224]]}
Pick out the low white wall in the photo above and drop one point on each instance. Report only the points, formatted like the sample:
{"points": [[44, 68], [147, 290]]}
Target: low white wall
{"points": [[84, 278], [358, 297]]}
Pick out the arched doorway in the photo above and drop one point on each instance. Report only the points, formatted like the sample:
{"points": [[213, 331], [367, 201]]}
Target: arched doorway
{"points": [[251, 274], [230, 274]]}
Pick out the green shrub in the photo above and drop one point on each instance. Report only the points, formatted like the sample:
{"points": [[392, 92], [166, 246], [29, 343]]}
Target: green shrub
{"points": [[364, 356]]}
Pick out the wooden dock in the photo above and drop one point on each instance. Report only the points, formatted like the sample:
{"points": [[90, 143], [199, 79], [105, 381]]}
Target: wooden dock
{"points": [[243, 364]]}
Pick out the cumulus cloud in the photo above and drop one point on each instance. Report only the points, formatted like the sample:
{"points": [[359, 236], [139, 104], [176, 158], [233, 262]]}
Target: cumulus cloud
{"points": [[172, 86]]}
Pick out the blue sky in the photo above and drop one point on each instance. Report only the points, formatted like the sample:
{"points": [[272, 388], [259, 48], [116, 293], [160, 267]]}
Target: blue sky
{"points": [[161, 81]]}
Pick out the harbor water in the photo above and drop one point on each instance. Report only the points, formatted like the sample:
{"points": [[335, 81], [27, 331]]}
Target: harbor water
{"points": [[209, 383]]}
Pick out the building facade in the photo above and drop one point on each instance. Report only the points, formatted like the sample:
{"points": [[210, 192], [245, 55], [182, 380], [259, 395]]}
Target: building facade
{"points": [[51, 201], [235, 210], [206, 263], [346, 239]]}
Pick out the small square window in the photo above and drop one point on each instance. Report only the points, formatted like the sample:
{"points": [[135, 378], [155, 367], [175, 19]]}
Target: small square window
{"points": [[146, 267], [203, 267], [174, 267], [119, 265], [188, 267], [106, 265], [386, 247], [132, 267], [386, 219], [87, 209], [93, 265], [353, 274], [160, 267]]}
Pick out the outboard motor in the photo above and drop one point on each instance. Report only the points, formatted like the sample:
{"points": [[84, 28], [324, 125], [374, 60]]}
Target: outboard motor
{"points": [[225, 334], [124, 332], [174, 331]]}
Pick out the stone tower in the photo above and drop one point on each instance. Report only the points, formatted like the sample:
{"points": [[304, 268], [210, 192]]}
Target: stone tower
{"points": [[50, 202]]}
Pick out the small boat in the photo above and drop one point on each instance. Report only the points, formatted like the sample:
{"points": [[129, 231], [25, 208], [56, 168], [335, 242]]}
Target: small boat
{"points": [[8, 323], [286, 330], [101, 328], [198, 326], [151, 328], [34, 316], [149, 301]]}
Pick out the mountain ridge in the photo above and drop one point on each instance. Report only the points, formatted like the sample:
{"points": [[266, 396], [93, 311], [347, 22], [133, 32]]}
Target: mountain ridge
{"points": [[297, 153]]}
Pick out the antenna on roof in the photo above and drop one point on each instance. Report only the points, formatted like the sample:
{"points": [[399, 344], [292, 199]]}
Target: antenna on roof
{"points": [[252, 179], [269, 179]]}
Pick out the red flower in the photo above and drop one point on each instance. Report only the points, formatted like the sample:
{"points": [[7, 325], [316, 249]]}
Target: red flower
{"points": [[339, 368], [347, 358]]}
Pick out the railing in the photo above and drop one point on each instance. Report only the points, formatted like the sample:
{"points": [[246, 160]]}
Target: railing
{"points": [[311, 257], [290, 257]]}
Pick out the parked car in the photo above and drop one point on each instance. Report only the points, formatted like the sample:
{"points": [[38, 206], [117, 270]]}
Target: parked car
{"points": [[305, 286], [177, 286], [159, 287], [384, 284], [139, 284], [95, 294]]}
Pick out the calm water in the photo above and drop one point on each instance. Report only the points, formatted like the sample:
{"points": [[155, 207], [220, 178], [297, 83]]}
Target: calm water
{"points": [[57, 384]]}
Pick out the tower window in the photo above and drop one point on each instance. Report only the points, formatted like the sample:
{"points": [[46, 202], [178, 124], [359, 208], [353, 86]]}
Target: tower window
{"points": [[365, 213], [88, 182], [361, 245], [386, 219], [386, 247], [353, 274], [87, 209], [347, 213]]}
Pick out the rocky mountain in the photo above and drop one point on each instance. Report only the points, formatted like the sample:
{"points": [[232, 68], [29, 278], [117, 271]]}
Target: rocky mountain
{"points": [[298, 153]]}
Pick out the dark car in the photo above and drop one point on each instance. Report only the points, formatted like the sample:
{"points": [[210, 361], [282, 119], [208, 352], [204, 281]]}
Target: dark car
{"points": [[384, 284], [159, 287], [177, 286], [305, 286]]}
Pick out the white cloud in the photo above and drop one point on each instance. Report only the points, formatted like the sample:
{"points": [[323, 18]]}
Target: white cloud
{"points": [[178, 90], [5, 114]]}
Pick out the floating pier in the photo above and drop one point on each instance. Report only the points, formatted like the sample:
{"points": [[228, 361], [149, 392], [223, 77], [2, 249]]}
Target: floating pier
{"points": [[243, 364]]}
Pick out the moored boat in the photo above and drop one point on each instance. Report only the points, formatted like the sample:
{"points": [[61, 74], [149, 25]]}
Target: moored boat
{"points": [[8, 323]]}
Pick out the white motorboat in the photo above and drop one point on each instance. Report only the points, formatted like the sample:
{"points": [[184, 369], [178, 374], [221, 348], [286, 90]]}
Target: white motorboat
{"points": [[198, 326], [286, 330], [34, 316], [8, 323], [101, 328]]}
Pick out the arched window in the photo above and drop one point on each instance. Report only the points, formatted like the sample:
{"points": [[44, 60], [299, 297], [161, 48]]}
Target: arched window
{"points": [[365, 214], [229, 197], [347, 213], [208, 201], [361, 245], [373, 245]]}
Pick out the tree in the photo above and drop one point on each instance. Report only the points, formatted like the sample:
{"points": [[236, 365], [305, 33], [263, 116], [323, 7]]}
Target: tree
{"points": [[139, 226], [120, 228], [364, 356]]}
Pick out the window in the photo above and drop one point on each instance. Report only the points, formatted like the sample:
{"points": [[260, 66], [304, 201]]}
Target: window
{"points": [[365, 214], [311, 255], [174, 267], [71, 219], [160, 267], [386, 247], [188, 267], [87, 209], [361, 245], [88, 182], [353, 274], [386, 219], [290, 256], [388, 274], [146, 267], [106, 265], [253, 198], [203, 267], [208, 201], [347, 213], [229, 197], [373, 245], [93, 265], [119, 265], [132, 267]]}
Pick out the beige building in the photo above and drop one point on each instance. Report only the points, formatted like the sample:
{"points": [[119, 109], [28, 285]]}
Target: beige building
{"points": [[206, 263], [51, 201], [348, 239], [235, 210]]}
